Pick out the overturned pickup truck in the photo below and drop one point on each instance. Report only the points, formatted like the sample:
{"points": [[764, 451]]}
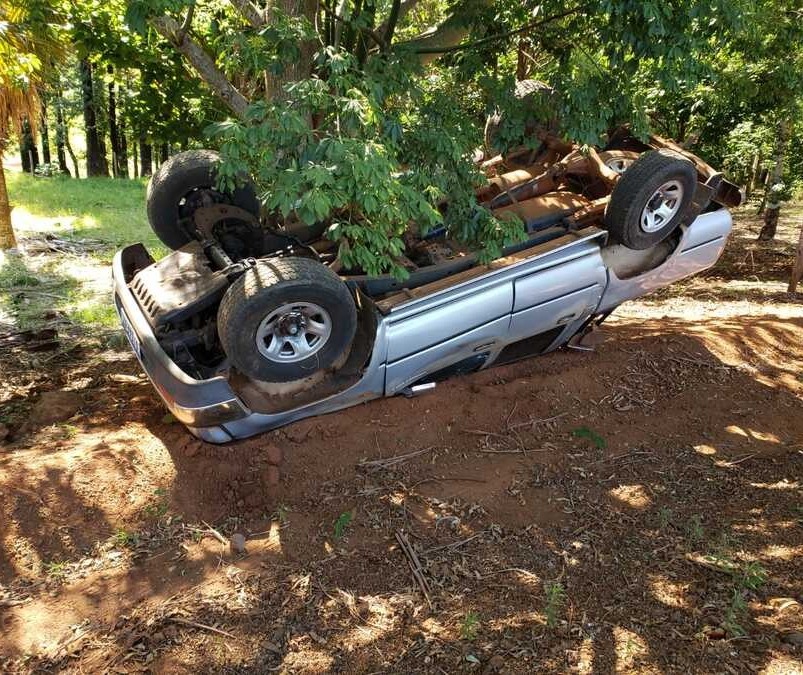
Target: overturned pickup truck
{"points": [[247, 326]]}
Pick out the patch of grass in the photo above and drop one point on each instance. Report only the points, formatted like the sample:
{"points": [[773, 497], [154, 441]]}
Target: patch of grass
{"points": [[14, 275], [746, 577], [281, 513], [555, 599], [752, 575], [342, 522], [470, 626], [664, 517], [734, 613], [695, 532], [69, 430], [99, 315], [112, 211], [124, 539], [56, 569], [590, 435], [159, 505]]}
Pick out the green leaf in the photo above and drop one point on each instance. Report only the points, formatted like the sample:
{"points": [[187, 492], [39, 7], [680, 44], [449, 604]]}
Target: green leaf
{"points": [[588, 434], [342, 522]]}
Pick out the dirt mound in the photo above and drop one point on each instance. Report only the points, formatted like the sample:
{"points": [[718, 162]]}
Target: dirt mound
{"points": [[627, 508]]}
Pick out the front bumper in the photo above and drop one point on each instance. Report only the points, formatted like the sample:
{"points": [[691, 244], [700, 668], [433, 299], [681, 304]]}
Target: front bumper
{"points": [[203, 405]]}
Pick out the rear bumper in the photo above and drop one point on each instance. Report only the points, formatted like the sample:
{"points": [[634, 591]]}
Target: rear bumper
{"points": [[202, 405]]}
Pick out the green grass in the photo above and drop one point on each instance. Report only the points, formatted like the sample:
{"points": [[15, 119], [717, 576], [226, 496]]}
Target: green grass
{"points": [[101, 213], [555, 598], [55, 569], [342, 523], [112, 211], [470, 626]]}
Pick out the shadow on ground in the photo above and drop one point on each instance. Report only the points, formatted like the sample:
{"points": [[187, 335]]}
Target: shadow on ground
{"points": [[635, 509]]}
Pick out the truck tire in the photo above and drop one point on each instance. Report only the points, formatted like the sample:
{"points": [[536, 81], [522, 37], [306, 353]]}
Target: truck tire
{"points": [[287, 319], [183, 183], [651, 199]]}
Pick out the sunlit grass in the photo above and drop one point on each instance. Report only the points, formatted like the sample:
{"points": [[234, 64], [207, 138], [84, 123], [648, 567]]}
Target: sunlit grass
{"points": [[111, 211], [97, 217]]}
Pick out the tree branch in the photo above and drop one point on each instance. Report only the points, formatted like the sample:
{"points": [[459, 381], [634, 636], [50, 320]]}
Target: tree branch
{"points": [[374, 35], [446, 49], [204, 65], [185, 27], [389, 26], [249, 12]]}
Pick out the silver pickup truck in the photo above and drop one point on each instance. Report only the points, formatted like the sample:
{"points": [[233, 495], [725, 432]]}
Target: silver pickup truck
{"points": [[244, 328]]}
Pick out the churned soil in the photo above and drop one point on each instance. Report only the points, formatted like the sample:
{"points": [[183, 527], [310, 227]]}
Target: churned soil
{"points": [[636, 508]]}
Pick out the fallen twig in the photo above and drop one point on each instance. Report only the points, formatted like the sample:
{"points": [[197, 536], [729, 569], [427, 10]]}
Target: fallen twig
{"points": [[444, 480], [518, 570], [521, 451], [531, 422], [415, 565], [456, 544], [211, 530], [202, 626], [392, 461]]}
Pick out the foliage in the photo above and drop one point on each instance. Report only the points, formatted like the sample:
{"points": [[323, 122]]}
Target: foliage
{"points": [[377, 133], [342, 523], [590, 435], [364, 114], [369, 153], [29, 43], [470, 626], [555, 599]]}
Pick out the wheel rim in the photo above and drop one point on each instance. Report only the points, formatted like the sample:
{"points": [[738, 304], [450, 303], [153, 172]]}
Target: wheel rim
{"points": [[293, 332], [662, 206], [619, 164]]}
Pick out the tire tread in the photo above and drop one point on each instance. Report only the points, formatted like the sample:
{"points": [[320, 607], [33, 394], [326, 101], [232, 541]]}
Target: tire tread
{"points": [[627, 195], [274, 274]]}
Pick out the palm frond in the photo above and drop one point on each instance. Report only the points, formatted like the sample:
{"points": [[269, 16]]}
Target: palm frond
{"points": [[29, 46]]}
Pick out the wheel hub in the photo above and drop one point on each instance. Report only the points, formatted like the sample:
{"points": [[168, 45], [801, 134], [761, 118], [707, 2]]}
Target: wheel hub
{"points": [[293, 332], [290, 324], [662, 206]]}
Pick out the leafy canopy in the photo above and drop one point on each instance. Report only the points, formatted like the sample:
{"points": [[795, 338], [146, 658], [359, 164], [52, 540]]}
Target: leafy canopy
{"points": [[365, 112]]}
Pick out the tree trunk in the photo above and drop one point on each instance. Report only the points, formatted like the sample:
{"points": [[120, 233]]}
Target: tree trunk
{"points": [[204, 64], [123, 151], [96, 164], [797, 269], [302, 68], [164, 153], [755, 171], [7, 238], [113, 135], [773, 203], [145, 157], [28, 149], [43, 132], [70, 151], [61, 135], [135, 157], [25, 158]]}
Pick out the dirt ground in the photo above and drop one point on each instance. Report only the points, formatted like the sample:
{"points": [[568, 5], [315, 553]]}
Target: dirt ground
{"points": [[632, 509]]}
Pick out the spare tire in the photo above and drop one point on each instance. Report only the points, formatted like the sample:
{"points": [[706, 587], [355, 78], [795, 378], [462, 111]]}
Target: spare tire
{"points": [[652, 197], [287, 319], [184, 183]]}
